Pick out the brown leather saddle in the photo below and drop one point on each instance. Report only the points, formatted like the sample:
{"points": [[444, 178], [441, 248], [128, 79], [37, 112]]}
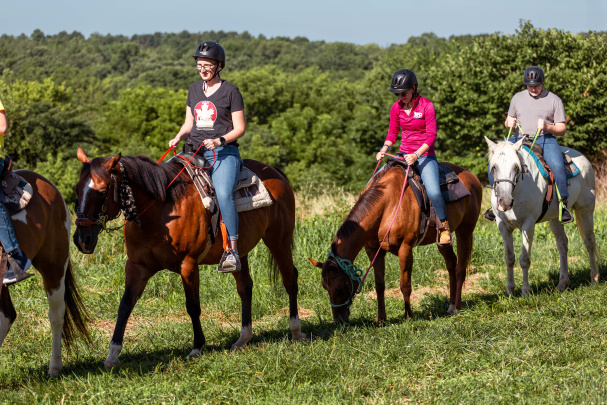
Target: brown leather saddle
{"points": [[451, 188], [15, 191], [249, 194]]}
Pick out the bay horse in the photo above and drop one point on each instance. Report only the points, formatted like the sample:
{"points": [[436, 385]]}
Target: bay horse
{"points": [[369, 221], [43, 233], [506, 160], [173, 234]]}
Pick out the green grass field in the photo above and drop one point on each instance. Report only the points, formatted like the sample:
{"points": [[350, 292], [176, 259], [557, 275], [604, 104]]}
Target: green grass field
{"points": [[550, 347]]}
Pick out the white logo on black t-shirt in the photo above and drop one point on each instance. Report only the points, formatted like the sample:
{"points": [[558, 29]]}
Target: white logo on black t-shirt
{"points": [[205, 114]]}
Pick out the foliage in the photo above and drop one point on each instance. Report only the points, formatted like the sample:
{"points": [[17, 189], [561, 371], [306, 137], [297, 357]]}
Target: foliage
{"points": [[472, 87], [317, 110]]}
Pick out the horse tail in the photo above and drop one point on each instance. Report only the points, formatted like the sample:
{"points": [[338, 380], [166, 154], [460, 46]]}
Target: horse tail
{"points": [[76, 316], [580, 228]]}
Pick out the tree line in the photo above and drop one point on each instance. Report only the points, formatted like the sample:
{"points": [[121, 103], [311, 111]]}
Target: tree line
{"points": [[317, 110]]}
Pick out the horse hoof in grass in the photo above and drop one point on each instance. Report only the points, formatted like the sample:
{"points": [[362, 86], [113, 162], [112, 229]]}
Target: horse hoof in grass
{"points": [[452, 310], [194, 353]]}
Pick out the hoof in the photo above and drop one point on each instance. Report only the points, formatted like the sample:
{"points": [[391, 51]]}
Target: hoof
{"points": [[526, 292], [300, 338], [452, 310], [111, 363], [562, 286], [54, 372], [195, 353], [237, 346]]}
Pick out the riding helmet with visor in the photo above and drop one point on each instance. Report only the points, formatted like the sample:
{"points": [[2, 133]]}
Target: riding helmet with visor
{"points": [[403, 80], [211, 50], [533, 76]]}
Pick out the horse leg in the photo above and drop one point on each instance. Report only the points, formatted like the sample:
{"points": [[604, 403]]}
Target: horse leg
{"points": [[527, 231], [244, 286], [585, 222], [464, 251], [136, 279], [56, 316], [451, 263], [379, 270], [7, 312], [190, 278], [283, 256], [405, 257], [506, 232], [562, 244]]}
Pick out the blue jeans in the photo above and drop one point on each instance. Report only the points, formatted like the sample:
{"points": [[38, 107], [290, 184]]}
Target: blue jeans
{"points": [[7, 233], [554, 158], [428, 170], [224, 174]]}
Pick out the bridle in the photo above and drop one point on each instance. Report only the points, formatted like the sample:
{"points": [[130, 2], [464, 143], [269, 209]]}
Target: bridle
{"points": [[123, 195], [517, 175], [351, 271]]}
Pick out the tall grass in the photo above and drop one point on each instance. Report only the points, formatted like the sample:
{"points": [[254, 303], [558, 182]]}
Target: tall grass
{"points": [[546, 348]]}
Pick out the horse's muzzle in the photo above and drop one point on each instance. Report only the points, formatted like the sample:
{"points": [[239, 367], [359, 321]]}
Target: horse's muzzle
{"points": [[85, 239]]}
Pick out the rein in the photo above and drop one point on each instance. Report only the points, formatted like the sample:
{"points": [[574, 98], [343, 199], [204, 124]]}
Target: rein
{"points": [[347, 266]]}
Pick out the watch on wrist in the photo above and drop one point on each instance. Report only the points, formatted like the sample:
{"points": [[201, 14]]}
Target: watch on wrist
{"points": [[222, 140]]}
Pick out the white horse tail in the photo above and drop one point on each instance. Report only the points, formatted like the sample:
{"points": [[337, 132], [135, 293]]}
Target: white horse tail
{"points": [[580, 228]]}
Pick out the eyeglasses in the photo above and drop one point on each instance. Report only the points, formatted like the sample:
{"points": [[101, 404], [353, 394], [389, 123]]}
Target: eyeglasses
{"points": [[204, 67]]}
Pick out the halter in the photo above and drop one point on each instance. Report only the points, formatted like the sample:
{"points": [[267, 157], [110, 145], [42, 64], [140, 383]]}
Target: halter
{"points": [[353, 273], [123, 195]]}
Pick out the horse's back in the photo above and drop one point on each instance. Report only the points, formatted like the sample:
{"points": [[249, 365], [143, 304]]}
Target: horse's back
{"points": [[43, 227]]}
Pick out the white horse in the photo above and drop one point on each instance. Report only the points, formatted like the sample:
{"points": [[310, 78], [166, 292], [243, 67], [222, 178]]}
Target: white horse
{"points": [[517, 203]]}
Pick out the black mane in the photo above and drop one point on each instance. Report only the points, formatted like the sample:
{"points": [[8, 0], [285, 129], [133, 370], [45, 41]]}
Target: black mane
{"points": [[148, 175]]}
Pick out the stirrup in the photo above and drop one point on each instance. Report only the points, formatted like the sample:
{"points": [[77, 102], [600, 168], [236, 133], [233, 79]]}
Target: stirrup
{"points": [[566, 217]]}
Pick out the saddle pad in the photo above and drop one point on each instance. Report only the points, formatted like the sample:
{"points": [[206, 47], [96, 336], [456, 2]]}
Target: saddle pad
{"points": [[571, 168], [250, 192], [15, 193]]}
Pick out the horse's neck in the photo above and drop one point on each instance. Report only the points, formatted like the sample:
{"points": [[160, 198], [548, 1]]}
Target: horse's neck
{"points": [[348, 245]]}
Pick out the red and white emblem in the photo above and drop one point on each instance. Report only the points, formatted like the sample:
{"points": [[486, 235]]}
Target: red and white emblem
{"points": [[205, 115]]}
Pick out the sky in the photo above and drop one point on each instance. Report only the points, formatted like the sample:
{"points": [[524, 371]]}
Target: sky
{"points": [[382, 22]]}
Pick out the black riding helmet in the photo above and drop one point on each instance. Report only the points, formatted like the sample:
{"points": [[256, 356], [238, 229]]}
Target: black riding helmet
{"points": [[403, 80], [211, 50], [533, 76]]}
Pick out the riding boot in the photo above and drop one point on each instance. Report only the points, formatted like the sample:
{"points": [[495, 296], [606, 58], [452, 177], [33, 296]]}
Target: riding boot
{"points": [[18, 263], [443, 234], [566, 216], [489, 214]]}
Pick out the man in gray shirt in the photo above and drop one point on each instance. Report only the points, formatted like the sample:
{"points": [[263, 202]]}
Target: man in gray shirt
{"points": [[536, 108]]}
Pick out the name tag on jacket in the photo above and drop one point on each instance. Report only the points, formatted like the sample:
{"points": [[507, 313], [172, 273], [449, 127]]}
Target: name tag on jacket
{"points": [[418, 115]]}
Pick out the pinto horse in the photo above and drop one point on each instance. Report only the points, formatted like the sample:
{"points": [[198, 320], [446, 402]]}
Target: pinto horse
{"points": [[43, 233], [517, 202], [369, 221], [172, 232]]}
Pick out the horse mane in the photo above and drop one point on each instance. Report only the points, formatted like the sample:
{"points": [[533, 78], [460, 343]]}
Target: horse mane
{"points": [[367, 200], [147, 174], [507, 150]]}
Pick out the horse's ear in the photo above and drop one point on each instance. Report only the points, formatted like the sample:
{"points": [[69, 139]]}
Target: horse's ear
{"points": [[315, 263], [518, 145], [490, 143], [82, 156], [114, 161]]}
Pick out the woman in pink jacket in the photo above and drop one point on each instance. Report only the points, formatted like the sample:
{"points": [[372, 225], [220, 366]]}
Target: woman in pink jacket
{"points": [[415, 116]]}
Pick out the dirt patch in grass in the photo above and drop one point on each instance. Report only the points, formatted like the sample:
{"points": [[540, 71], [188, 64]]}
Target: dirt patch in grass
{"points": [[471, 285]]}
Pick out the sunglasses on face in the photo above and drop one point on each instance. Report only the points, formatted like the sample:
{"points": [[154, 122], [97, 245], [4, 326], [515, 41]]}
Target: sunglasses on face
{"points": [[204, 67]]}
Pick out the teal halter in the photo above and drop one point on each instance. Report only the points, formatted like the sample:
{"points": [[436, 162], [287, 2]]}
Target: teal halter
{"points": [[353, 273]]}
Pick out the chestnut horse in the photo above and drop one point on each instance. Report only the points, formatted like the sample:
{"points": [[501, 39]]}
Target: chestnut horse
{"points": [[43, 233], [369, 221], [173, 234]]}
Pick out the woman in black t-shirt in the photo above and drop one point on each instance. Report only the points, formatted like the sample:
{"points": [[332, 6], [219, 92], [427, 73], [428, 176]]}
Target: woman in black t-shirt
{"points": [[215, 119]]}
